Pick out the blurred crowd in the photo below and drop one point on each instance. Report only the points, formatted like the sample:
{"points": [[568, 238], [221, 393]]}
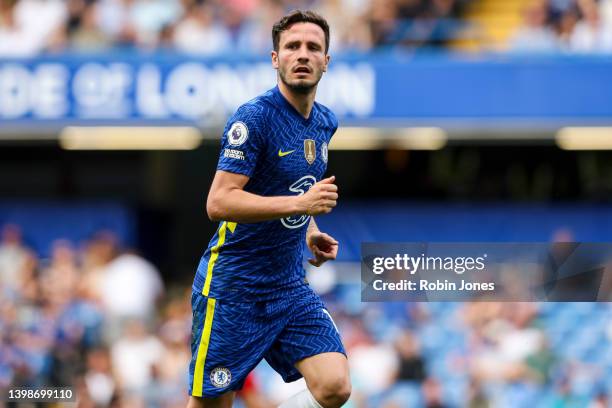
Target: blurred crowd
{"points": [[479, 354], [91, 317], [577, 26], [212, 27], [99, 318], [205, 27]]}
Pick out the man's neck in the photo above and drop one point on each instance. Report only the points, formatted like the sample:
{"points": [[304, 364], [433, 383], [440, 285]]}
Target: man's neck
{"points": [[301, 102]]}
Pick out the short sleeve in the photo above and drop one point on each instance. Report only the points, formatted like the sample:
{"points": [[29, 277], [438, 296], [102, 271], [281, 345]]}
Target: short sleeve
{"points": [[241, 143]]}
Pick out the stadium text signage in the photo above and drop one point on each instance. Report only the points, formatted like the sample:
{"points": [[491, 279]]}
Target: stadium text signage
{"points": [[371, 90], [183, 91]]}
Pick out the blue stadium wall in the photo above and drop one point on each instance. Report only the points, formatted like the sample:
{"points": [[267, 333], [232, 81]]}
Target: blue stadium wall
{"points": [[442, 90]]}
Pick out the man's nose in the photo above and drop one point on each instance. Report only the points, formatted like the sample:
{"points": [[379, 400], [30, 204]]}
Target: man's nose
{"points": [[303, 54]]}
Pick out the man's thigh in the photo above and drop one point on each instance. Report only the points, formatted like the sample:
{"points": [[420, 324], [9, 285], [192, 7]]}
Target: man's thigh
{"points": [[309, 332], [228, 340]]}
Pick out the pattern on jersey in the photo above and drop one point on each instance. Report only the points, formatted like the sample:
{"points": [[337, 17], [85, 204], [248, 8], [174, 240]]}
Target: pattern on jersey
{"points": [[260, 261], [283, 331], [299, 187]]}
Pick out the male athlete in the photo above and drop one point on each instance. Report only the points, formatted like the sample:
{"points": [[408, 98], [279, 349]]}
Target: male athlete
{"points": [[250, 300]]}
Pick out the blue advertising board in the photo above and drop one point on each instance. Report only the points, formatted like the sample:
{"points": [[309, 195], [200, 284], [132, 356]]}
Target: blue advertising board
{"points": [[369, 90]]}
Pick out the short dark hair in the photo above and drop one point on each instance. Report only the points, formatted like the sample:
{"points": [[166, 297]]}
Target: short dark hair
{"points": [[299, 16]]}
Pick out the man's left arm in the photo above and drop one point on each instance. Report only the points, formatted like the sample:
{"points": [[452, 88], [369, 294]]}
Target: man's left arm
{"points": [[323, 246]]}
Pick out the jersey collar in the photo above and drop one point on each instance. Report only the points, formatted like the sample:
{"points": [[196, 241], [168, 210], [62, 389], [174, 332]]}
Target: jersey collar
{"points": [[285, 104]]}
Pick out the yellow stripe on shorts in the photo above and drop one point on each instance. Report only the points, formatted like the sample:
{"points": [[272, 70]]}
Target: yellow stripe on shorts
{"points": [[214, 254], [198, 375]]}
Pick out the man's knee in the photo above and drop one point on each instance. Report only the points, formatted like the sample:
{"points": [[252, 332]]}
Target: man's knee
{"points": [[332, 391]]}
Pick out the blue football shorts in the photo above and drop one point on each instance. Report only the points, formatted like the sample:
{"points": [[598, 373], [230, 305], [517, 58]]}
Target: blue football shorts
{"points": [[229, 339]]}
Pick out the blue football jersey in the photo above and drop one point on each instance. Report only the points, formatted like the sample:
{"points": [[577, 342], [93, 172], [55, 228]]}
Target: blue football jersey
{"points": [[283, 154]]}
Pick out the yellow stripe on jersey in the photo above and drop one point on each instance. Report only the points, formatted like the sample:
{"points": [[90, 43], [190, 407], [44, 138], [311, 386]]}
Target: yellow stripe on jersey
{"points": [[198, 375], [214, 254]]}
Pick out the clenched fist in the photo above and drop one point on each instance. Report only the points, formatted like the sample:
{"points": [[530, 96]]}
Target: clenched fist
{"points": [[321, 198]]}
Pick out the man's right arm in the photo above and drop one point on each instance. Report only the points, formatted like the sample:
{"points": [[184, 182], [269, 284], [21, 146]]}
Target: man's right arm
{"points": [[228, 201]]}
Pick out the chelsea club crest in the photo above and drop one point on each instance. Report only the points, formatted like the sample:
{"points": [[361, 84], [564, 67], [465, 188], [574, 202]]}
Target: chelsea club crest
{"points": [[324, 152], [220, 377]]}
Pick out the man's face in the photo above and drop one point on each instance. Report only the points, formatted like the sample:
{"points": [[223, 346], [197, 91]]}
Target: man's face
{"points": [[301, 58]]}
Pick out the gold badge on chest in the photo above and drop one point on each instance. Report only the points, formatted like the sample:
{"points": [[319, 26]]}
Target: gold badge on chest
{"points": [[310, 150]]}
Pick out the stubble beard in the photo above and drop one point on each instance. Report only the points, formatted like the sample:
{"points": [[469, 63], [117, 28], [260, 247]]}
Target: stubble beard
{"points": [[302, 87]]}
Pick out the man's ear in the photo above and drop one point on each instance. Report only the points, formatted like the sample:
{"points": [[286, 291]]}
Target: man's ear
{"points": [[327, 58], [274, 56]]}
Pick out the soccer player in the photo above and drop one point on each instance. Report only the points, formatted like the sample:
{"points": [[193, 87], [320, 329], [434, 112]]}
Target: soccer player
{"points": [[250, 299]]}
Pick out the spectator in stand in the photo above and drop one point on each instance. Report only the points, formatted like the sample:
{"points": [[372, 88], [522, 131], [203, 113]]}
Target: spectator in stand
{"points": [[27, 26], [59, 280], [411, 364], [350, 31], [174, 332], [99, 381], [535, 35], [13, 255], [134, 357], [564, 26], [87, 34], [97, 254], [150, 16], [476, 396], [383, 22], [432, 392], [602, 400], [592, 33], [131, 289], [199, 31], [254, 32], [605, 8], [439, 17], [234, 15], [115, 20]]}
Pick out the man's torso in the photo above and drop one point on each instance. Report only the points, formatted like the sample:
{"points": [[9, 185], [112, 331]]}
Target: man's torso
{"points": [[283, 154]]}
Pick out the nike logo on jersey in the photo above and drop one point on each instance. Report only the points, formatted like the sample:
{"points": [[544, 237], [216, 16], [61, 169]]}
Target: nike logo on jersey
{"points": [[283, 154]]}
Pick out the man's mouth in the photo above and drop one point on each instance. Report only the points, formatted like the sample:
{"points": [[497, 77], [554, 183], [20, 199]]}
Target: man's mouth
{"points": [[302, 70]]}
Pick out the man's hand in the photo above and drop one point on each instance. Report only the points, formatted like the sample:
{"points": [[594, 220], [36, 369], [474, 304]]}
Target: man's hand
{"points": [[322, 246], [321, 198]]}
